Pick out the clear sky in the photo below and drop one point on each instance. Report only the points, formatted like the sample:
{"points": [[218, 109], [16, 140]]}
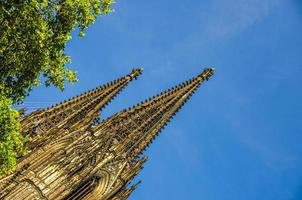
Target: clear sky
{"points": [[240, 135]]}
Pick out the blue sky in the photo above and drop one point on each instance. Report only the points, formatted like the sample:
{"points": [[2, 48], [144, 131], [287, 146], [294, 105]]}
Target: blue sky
{"points": [[239, 137]]}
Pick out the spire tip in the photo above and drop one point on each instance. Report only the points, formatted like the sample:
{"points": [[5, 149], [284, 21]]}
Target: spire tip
{"points": [[206, 74], [136, 72]]}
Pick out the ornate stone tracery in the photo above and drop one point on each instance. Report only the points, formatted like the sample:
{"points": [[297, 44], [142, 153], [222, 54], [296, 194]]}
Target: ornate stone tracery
{"points": [[75, 156]]}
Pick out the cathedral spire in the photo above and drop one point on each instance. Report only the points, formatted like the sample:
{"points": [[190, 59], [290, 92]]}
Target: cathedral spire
{"points": [[80, 110], [136, 127], [168, 109]]}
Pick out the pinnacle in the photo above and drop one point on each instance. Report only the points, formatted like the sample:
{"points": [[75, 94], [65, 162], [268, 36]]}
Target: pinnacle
{"points": [[206, 74], [135, 73]]}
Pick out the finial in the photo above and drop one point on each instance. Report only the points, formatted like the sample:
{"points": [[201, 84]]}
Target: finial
{"points": [[136, 72], [206, 74]]}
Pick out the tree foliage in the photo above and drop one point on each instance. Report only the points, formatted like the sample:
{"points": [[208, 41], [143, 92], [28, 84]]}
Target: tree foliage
{"points": [[11, 140], [33, 35]]}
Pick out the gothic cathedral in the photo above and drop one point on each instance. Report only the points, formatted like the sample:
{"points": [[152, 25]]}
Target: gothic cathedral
{"points": [[74, 155]]}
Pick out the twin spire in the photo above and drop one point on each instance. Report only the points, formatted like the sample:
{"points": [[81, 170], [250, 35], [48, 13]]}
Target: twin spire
{"points": [[74, 156]]}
